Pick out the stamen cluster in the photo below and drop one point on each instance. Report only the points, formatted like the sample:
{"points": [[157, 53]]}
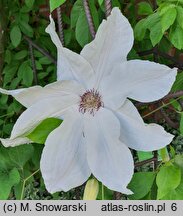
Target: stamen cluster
{"points": [[90, 102]]}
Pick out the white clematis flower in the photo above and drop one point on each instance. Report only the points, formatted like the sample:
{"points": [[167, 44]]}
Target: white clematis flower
{"points": [[100, 123]]}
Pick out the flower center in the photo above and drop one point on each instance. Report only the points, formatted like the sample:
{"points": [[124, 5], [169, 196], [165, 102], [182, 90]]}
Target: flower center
{"points": [[90, 102]]}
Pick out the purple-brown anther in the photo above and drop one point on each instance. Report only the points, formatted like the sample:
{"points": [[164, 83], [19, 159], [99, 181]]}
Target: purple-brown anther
{"points": [[90, 102]]}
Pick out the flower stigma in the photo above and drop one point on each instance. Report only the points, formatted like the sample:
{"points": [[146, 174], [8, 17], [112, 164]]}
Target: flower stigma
{"points": [[90, 102]]}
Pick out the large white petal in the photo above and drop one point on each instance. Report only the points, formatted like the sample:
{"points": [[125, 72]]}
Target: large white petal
{"points": [[144, 81], [52, 107], [138, 135], [63, 162], [70, 65], [29, 96], [26, 96], [109, 159], [15, 142], [113, 41]]}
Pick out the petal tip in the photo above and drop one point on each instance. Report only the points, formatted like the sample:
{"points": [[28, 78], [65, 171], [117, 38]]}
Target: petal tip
{"points": [[15, 142], [51, 26], [127, 191]]}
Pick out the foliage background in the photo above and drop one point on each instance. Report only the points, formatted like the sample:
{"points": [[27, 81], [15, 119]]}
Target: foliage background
{"points": [[28, 57]]}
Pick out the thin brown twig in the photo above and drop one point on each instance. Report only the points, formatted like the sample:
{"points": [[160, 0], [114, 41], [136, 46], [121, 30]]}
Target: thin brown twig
{"points": [[154, 4], [155, 153], [60, 25], [155, 55], [33, 63], [41, 50], [141, 163], [89, 18], [157, 52], [173, 95], [168, 96], [146, 52]]}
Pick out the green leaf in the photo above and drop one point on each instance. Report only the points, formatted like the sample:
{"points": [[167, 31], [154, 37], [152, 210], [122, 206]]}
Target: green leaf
{"points": [[144, 155], [15, 36], [82, 30], [68, 36], [4, 99], [55, 4], [140, 30], [26, 28], [75, 12], [38, 66], [21, 54], [178, 84], [29, 3], [28, 76], [175, 194], [17, 156], [133, 55], [176, 1], [172, 151], [14, 83], [40, 133], [116, 3], [164, 8], [180, 16], [100, 2], [37, 155], [141, 184], [179, 161], [152, 20], [44, 61], [168, 19], [25, 73], [7, 180], [108, 194], [7, 128], [8, 56], [176, 35], [9, 71], [156, 34], [144, 8], [168, 178]]}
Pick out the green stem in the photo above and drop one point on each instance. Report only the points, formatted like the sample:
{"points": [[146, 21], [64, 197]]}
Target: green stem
{"points": [[24, 182], [164, 105]]}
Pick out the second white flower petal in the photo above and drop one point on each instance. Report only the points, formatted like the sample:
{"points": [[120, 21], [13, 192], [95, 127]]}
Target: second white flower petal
{"points": [[113, 41], [109, 159], [70, 65], [143, 81], [52, 107], [138, 135], [63, 162], [29, 96]]}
